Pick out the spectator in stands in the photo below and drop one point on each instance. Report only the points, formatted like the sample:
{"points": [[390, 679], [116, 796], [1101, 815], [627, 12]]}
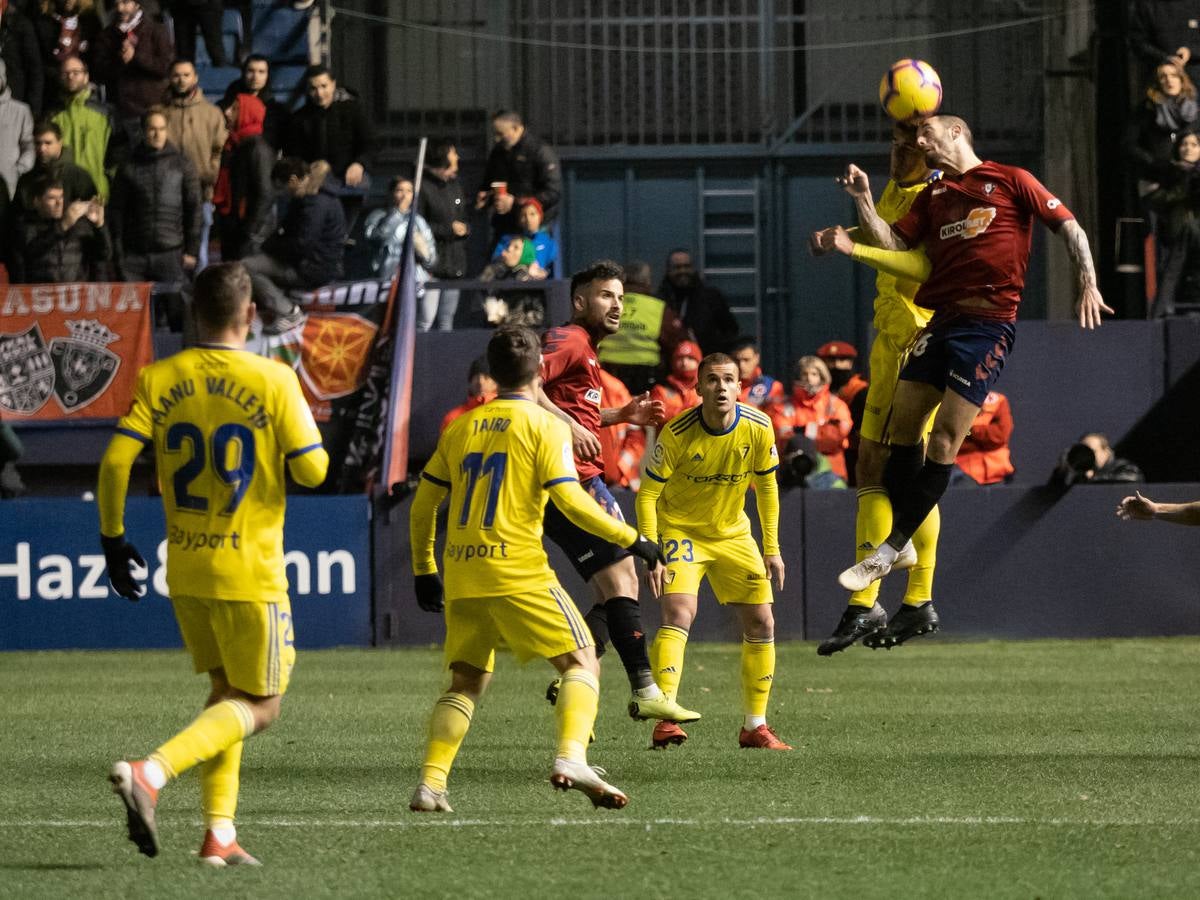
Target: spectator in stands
{"points": [[64, 28], [131, 58], [702, 308], [307, 250], [88, 127], [53, 162], [813, 411], [256, 80], [1176, 205], [197, 127], [520, 165], [801, 464], [1091, 460], [20, 53], [842, 358], [333, 126], [757, 389], [155, 214], [443, 205], [513, 307], [204, 15], [481, 389], [243, 196], [545, 248], [677, 391], [621, 444], [1169, 109], [1164, 30], [383, 234], [984, 457], [59, 243], [16, 136], [11, 485], [650, 331]]}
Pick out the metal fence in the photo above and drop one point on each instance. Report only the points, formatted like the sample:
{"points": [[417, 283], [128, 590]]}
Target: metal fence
{"points": [[766, 74]]}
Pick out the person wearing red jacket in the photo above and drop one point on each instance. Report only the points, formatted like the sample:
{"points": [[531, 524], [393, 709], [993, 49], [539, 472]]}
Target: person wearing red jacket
{"points": [[481, 389], [621, 444], [984, 455], [678, 391], [815, 412]]}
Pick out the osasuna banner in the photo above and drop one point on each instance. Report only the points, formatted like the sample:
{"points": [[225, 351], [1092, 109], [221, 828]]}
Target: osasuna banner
{"points": [[54, 591], [72, 351]]}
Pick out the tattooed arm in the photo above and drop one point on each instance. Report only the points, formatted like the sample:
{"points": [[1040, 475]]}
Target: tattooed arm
{"points": [[872, 229], [1090, 303]]}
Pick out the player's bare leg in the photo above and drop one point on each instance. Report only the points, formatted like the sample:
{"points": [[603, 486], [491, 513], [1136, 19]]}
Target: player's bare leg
{"points": [[758, 674], [448, 726], [667, 652], [575, 714]]}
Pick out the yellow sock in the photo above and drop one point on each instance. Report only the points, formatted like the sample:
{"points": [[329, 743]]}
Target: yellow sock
{"points": [[666, 658], [447, 728], [575, 712], [920, 576], [219, 786], [872, 525], [216, 729], [758, 671]]}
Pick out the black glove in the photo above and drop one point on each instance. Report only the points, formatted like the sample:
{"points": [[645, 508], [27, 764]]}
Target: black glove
{"points": [[648, 551], [118, 554], [429, 592]]}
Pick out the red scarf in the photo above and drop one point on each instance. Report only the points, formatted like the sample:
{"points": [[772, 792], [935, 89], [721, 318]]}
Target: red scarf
{"points": [[252, 112]]}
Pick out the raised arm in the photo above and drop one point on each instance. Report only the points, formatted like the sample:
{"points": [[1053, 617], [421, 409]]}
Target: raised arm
{"points": [[1090, 304], [873, 230]]}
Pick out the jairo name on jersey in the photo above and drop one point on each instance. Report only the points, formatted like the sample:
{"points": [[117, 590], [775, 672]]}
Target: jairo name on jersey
{"points": [[495, 423], [56, 576]]}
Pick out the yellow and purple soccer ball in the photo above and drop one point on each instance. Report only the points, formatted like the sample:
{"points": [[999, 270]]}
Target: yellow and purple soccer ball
{"points": [[910, 89]]}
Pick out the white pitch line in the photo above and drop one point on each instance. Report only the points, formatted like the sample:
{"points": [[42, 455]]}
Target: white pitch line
{"points": [[425, 821]]}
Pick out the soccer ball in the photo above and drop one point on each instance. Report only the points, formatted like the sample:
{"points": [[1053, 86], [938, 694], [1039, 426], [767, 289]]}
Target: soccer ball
{"points": [[910, 89]]}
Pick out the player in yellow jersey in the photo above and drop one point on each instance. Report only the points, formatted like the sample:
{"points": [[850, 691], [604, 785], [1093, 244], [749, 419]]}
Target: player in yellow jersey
{"points": [[499, 464], [222, 422], [898, 322], [692, 501]]}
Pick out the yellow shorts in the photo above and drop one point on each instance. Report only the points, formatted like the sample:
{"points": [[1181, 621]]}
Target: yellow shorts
{"points": [[535, 624], [734, 567], [253, 642], [897, 325]]}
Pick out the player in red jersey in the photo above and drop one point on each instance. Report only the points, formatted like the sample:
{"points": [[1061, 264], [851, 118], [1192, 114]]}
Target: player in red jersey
{"points": [[571, 389], [976, 227]]}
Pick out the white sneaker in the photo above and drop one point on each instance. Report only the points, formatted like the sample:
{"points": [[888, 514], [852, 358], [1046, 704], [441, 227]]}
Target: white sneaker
{"points": [[906, 558], [426, 799], [859, 577], [568, 775]]}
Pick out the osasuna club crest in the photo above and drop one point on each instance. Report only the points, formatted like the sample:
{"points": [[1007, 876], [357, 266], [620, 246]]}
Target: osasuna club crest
{"points": [[83, 364], [26, 372]]}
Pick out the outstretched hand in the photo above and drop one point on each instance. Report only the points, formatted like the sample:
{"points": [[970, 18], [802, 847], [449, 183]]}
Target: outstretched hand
{"points": [[1135, 507], [1089, 308], [642, 410]]}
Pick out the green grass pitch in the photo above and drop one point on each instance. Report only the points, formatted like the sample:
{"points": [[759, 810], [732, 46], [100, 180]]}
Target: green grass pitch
{"points": [[1041, 769]]}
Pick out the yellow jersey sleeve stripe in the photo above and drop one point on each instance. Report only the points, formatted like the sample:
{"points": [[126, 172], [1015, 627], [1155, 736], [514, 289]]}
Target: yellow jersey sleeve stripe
{"points": [[439, 482], [554, 481], [129, 432], [655, 476], [302, 451]]}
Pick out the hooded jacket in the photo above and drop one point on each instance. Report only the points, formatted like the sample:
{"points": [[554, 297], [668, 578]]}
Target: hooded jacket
{"points": [[243, 195], [197, 128], [821, 417], [155, 204], [89, 130], [276, 124], [16, 137]]}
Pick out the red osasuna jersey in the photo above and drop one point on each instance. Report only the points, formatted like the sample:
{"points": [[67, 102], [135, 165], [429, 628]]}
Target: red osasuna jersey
{"points": [[571, 379], [977, 228]]}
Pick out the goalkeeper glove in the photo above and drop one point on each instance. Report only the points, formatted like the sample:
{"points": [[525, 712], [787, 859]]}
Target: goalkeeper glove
{"points": [[118, 554], [429, 592], [647, 550]]}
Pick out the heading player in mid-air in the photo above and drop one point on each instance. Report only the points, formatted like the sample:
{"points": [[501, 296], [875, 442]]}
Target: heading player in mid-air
{"points": [[571, 390], [693, 502], [223, 423], [975, 226], [500, 463], [898, 321]]}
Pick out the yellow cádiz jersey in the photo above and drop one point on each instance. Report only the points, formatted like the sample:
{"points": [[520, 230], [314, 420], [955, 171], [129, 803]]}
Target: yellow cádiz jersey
{"points": [[705, 474], [892, 206], [497, 462], [222, 422]]}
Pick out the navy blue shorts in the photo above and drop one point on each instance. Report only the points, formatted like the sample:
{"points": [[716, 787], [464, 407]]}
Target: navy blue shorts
{"points": [[964, 355], [587, 552]]}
